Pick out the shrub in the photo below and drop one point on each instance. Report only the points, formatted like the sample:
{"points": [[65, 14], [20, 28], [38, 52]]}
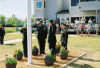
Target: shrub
{"points": [[18, 52], [50, 57], [63, 51], [58, 46], [35, 48], [10, 60]]}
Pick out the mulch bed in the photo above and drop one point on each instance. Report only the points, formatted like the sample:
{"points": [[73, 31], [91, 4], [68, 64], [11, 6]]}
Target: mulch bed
{"points": [[39, 61]]}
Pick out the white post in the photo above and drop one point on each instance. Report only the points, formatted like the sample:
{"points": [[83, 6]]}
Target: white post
{"points": [[96, 16], [29, 32], [79, 12]]}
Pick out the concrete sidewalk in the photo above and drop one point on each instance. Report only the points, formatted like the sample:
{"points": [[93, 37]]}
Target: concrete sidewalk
{"points": [[15, 40]]}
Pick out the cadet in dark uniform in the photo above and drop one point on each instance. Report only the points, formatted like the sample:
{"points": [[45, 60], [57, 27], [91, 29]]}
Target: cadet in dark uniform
{"points": [[41, 35], [24, 42], [2, 34], [52, 36], [64, 36]]}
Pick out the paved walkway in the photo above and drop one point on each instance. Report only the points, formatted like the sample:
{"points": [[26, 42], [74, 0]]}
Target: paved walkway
{"points": [[15, 40]]}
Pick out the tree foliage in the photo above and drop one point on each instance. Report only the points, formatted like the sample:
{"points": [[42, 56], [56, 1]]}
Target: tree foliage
{"points": [[12, 21]]}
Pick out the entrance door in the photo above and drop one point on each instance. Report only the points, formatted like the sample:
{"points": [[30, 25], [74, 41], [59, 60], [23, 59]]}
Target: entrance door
{"points": [[62, 20]]}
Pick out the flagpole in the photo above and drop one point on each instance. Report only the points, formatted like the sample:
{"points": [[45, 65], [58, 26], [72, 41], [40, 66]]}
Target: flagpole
{"points": [[29, 33]]}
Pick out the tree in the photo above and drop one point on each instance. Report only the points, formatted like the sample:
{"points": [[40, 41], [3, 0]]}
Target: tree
{"points": [[33, 18], [2, 19]]}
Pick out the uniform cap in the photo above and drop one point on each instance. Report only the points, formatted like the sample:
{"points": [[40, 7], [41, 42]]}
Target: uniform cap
{"points": [[41, 21], [25, 24], [50, 20]]}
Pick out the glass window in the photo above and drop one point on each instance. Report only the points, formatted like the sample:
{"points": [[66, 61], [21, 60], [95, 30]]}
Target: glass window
{"points": [[44, 4], [39, 4], [74, 2], [38, 19], [86, 0]]}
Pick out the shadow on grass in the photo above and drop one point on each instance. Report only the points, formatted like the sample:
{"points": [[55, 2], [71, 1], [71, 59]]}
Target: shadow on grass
{"points": [[10, 44], [87, 59], [80, 66]]}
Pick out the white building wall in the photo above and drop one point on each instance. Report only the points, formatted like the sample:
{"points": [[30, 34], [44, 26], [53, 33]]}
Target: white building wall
{"points": [[59, 5], [51, 9], [39, 13], [66, 4]]}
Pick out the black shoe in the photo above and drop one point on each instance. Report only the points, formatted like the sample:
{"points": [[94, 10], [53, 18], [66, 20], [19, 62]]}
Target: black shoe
{"points": [[43, 53], [25, 56]]}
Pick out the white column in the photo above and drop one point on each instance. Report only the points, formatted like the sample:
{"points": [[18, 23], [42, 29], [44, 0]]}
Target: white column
{"points": [[29, 32], [79, 12], [96, 16]]}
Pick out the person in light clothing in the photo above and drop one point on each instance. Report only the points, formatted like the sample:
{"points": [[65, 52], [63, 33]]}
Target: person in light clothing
{"points": [[90, 21], [83, 20], [82, 28], [76, 23], [89, 28]]}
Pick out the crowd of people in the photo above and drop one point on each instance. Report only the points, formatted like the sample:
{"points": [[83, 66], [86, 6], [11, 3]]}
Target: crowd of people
{"points": [[42, 31]]}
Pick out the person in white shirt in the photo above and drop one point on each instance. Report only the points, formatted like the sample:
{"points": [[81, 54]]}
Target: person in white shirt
{"points": [[89, 28], [90, 21], [67, 21], [76, 23], [83, 19]]}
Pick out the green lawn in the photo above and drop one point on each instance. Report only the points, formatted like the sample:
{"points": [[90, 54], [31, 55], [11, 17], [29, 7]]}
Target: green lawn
{"points": [[11, 29], [90, 45], [12, 36]]}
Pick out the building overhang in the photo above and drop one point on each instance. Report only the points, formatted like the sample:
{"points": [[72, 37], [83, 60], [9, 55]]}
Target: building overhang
{"points": [[63, 12]]}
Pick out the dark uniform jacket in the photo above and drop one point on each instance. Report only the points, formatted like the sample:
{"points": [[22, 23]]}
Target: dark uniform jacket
{"points": [[52, 34], [64, 35], [2, 32], [41, 31], [24, 31]]}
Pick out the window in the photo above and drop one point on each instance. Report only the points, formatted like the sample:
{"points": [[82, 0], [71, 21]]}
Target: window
{"points": [[86, 0], [44, 4], [38, 19], [74, 2], [62, 20], [39, 4]]}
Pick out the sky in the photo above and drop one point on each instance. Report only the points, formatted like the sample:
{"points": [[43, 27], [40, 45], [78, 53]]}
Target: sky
{"points": [[17, 7]]}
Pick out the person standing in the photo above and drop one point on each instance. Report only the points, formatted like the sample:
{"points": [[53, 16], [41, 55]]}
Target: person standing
{"points": [[90, 21], [41, 35], [52, 36], [64, 36], [88, 28], [76, 23], [24, 41], [83, 20], [2, 34], [82, 28]]}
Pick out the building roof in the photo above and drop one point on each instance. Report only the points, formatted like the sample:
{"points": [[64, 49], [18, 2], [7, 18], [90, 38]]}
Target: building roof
{"points": [[63, 12]]}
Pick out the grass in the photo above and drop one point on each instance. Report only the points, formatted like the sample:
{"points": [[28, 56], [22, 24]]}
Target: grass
{"points": [[12, 36], [90, 45], [10, 29]]}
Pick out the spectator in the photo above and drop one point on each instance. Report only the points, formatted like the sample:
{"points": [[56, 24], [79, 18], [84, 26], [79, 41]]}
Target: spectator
{"points": [[67, 21], [72, 25], [83, 20], [82, 28], [2, 34], [90, 21], [76, 23], [88, 28], [44, 21], [54, 22]]}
